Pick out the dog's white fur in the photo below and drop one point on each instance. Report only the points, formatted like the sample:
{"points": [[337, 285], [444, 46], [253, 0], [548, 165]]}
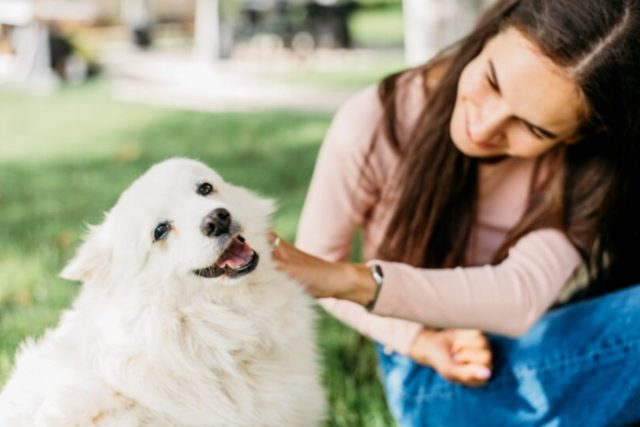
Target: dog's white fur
{"points": [[149, 343]]}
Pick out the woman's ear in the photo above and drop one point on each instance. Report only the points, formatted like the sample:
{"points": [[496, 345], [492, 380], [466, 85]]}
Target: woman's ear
{"points": [[577, 136], [93, 258], [574, 139]]}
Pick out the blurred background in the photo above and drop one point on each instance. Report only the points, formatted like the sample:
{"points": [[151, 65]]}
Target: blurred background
{"points": [[93, 92]]}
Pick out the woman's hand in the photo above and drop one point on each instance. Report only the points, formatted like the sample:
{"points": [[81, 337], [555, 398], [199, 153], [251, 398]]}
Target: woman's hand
{"points": [[459, 355], [324, 279]]}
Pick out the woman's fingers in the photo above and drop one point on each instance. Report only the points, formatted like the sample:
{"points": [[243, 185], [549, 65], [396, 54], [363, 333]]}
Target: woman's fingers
{"points": [[275, 242], [480, 357], [468, 338], [470, 360], [271, 236], [283, 252], [471, 367], [469, 374]]}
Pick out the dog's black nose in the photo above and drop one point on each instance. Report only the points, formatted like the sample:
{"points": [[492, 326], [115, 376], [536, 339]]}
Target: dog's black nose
{"points": [[216, 223]]}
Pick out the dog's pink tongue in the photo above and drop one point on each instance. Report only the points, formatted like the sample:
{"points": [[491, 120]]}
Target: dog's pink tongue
{"points": [[237, 254]]}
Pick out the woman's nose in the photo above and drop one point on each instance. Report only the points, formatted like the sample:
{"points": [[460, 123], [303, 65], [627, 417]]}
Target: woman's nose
{"points": [[489, 122]]}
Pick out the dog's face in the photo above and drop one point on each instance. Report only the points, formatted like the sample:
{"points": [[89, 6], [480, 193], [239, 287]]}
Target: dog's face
{"points": [[179, 220]]}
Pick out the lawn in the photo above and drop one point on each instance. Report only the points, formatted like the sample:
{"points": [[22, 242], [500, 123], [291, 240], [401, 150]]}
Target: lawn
{"points": [[378, 23], [64, 160]]}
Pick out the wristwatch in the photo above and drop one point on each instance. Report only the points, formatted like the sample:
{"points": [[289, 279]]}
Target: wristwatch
{"points": [[378, 278]]}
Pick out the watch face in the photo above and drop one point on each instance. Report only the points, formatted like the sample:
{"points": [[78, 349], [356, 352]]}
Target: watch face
{"points": [[378, 270], [376, 273]]}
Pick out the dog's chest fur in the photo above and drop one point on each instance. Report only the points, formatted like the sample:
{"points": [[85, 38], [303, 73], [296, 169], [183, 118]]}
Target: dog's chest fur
{"points": [[240, 358], [231, 354]]}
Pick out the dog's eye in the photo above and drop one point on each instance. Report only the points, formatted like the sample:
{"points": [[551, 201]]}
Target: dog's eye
{"points": [[205, 189], [161, 231]]}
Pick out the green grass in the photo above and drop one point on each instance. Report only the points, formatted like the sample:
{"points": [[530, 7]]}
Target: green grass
{"points": [[378, 26], [64, 160]]}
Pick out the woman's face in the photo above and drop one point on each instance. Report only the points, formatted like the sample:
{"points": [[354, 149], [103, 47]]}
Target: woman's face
{"points": [[512, 100]]}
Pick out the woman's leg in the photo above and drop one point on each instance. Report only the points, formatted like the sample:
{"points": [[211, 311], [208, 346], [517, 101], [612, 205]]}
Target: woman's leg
{"points": [[578, 366]]}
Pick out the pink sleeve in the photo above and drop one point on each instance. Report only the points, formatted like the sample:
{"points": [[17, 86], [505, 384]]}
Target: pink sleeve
{"points": [[338, 201], [506, 299]]}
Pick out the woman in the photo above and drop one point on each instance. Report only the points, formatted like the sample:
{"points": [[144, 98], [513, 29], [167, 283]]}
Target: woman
{"points": [[498, 170]]}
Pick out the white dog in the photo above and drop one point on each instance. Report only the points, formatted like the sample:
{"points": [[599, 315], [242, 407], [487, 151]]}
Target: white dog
{"points": [[183, 319]]}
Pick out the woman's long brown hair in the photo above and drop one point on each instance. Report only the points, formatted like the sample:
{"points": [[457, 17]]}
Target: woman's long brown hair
{"points": [[589, 182]]}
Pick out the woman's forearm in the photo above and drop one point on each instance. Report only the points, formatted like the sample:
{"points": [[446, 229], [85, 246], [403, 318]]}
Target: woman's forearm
{"points": [[361, 288], [326, 279]]}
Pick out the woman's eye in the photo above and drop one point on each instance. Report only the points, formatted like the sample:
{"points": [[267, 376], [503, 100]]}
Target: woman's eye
{"points": [[491, 83], [534, 132], [161, 231], [205, 189]]}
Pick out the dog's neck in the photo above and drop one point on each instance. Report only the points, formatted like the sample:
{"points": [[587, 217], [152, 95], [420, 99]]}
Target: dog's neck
{"points": [[198, 317], [224, 332]]}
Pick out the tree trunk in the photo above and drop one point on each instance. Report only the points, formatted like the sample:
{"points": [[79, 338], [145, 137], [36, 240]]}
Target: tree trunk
{"points": [[432, 25], [207, 31]]}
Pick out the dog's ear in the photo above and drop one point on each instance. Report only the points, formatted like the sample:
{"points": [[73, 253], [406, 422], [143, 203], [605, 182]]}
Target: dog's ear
{"points": [[249, 201], [267, 206], [92, 259]]}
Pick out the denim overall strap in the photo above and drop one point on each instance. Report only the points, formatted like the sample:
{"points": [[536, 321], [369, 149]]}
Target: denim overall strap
{"points": [[578, 366]]}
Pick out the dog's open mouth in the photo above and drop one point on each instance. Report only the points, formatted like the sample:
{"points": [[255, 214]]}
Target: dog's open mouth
{"points": [[237, 259]]}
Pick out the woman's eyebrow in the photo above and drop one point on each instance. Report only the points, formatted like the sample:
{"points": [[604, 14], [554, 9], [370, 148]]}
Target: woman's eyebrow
{"points": [[543, 131]]}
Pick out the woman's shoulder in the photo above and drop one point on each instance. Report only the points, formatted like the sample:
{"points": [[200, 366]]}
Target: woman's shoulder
{"points": [[355, 124], [360, 113], [359, 119]]}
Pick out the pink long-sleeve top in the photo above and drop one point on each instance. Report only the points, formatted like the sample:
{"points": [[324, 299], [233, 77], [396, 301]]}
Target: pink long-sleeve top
{"points": [[504, 299]]}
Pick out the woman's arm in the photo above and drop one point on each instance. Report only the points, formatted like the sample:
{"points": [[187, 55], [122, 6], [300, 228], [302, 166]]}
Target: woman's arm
{"points": [[338, 201], [505, 299]]}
